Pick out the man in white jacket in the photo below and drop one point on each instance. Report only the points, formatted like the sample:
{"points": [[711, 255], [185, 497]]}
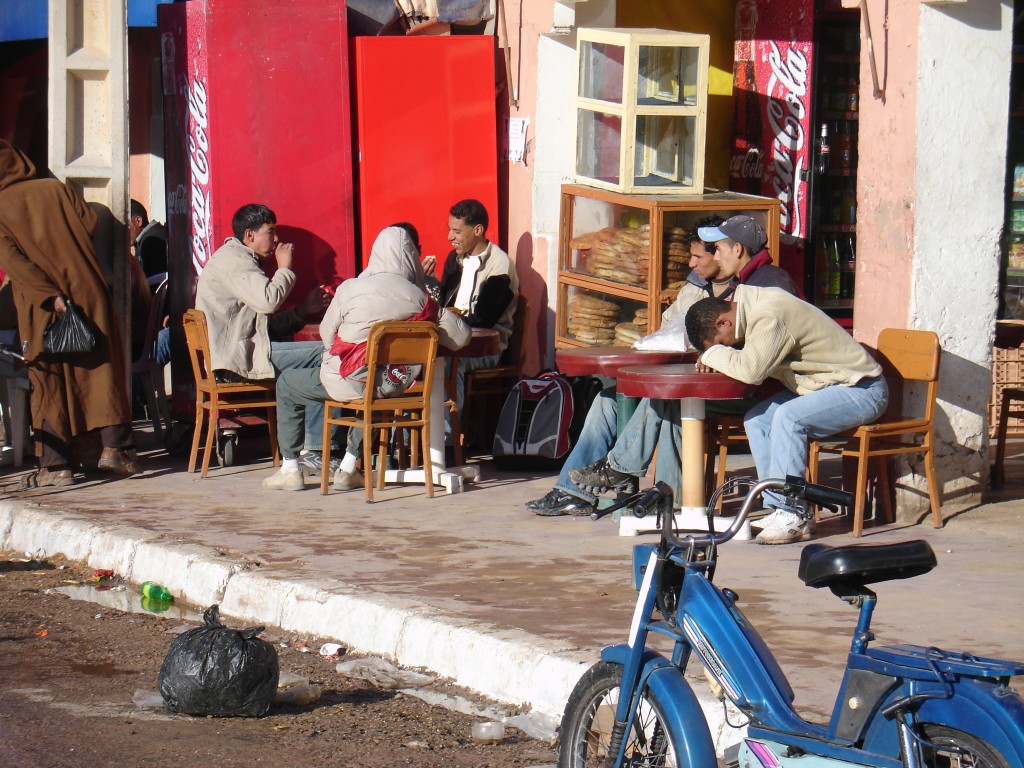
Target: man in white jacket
{"points": [[831, 384]]}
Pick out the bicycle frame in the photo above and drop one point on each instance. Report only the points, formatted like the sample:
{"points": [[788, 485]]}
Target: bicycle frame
{"points": [[886, 691]]}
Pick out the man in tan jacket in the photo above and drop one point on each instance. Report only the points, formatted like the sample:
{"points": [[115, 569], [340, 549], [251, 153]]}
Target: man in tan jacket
{"points": [[243, 309], [831, 383]]}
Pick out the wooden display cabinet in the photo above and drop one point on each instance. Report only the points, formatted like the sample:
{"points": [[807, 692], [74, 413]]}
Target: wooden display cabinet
{"points": [[621, 261]]}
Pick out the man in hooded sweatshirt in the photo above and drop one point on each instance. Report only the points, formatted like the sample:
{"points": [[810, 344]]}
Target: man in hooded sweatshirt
{"points": [[391, 287], [46, 249]]}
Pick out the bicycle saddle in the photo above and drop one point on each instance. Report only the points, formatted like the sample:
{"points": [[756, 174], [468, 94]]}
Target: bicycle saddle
{"points": [[860, 564]]}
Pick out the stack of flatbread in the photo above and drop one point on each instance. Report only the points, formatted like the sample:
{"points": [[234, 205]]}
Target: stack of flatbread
{"points": [[592, 319], [676, 257], [621, 255]]}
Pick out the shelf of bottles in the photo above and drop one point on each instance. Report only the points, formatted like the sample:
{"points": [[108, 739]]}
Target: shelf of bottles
{"points": [[836, 178]]}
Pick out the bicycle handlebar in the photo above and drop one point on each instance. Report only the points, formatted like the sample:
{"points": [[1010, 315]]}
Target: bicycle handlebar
{"points": [[795, 488]]}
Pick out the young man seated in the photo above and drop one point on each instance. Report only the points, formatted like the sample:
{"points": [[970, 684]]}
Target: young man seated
{"points": [[831, 384], [739, 258]]}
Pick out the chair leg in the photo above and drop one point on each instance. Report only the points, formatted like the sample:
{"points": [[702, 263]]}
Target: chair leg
{"points": [[272, 428], [813, 456], [149, 384], [885, 487], [368, 458], [212, 433], [933, 486], [325, 453], [382, 456], [428, 465], [861, 492], [1004, 420], [196, 435]]}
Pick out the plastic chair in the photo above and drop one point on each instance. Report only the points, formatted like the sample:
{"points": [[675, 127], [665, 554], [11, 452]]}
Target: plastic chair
{"points": [[905, 356], [213, 397], [485, 383], [399, 343], [146, 367]]}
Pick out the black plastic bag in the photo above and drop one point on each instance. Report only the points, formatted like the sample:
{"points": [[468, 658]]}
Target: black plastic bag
{"points": [[216, 670], [69, 333]]}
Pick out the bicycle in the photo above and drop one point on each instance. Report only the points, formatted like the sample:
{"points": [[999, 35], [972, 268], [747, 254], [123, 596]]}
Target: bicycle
{"points": [[900, 706]]}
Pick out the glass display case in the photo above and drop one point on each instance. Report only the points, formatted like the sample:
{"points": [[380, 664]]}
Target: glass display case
{"points": [[641, 110], [622, 259]]}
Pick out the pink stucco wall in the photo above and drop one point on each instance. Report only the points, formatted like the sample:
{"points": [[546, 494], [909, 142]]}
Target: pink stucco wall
{"points": [[885, 173]]}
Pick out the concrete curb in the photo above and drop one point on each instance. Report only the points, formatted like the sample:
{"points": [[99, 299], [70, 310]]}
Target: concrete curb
{"points": [[509, 665]]}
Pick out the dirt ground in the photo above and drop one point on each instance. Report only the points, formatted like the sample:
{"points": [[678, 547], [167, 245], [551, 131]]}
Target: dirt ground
{"points": [[70, 668]]}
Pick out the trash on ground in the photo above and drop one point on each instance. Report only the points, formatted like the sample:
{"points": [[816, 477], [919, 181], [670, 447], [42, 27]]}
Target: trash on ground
{"points": [[299, 695], [144, 699], [216, 670], [154, 591], [382, 674], [488, 732], [331, 650], [536, 725]]}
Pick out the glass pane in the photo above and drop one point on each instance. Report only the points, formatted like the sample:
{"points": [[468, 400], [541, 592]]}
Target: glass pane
{"points": [[611, 242], [601, 71], [598, 140], [664, 150], [598, 318], [667, 75]]}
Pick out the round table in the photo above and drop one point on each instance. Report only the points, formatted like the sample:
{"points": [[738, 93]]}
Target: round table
{"points": [[483, 343], [607, 361], [683, 382]]}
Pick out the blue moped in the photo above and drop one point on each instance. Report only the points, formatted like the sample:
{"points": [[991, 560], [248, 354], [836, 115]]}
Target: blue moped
{"points": [[899, 706]]}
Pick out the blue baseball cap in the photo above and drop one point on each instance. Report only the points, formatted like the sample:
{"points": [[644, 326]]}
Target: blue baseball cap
{"points": [[741, 229]]}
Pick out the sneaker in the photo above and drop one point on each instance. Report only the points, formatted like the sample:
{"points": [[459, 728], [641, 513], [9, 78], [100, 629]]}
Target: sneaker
{"points": [[311, 463], [348, 481], [285, 481], [557, 503], [600, 477], [787, 528], [766, 517]]}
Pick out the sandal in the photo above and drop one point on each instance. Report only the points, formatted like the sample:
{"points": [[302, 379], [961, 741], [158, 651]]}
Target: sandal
{"points": [[44, 478]]}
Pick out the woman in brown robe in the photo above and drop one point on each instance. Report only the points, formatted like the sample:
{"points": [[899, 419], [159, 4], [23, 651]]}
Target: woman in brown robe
{"points": [[47, 251]]}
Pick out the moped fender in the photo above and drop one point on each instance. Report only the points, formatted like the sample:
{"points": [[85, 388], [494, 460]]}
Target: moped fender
{"points": [[685, 720], [992, 713]]}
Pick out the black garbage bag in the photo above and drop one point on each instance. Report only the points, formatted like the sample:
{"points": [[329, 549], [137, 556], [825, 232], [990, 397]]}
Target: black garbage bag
{"points": [[216, 670]]}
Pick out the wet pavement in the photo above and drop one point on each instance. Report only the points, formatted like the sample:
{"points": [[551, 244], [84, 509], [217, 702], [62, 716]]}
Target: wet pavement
{"points": [[481, 558]]}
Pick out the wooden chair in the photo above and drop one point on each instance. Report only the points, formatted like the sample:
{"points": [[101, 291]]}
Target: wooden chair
{"points": [[213, 397], [485, 383], [1012, 397], [401, 342], [905, 356], [721, 430], [146, 367]]}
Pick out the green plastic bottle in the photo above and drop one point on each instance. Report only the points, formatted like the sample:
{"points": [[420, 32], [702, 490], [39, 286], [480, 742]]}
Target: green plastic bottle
{"points": [[153, 591]]}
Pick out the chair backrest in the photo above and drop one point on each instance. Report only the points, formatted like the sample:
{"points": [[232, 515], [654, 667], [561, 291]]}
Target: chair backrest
{"points": [[515, 352], [153, 323], [910, 356], [401, 342], [197, 337]]}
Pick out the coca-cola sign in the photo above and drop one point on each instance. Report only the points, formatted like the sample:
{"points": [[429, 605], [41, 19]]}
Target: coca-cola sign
{"points": [[199, 167], [788, 107]]}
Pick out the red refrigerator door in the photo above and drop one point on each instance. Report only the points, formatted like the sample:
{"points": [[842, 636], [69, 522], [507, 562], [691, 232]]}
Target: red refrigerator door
{"points": [[256, 104], [773, 144], [427, 133]]}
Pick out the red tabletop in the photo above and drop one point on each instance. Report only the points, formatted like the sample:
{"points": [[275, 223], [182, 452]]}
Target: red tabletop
{"points": [[308, 332], [673, 382], [606, 361]]}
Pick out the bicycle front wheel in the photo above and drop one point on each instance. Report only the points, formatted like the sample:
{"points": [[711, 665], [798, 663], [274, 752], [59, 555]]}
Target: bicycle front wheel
{"points": [[585, 735], [950, 748]]}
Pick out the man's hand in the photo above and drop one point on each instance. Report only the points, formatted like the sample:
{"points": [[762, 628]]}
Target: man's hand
{"points": [[283, 254], [59, 306], [701, 367], [429, 265], [316, 302]]}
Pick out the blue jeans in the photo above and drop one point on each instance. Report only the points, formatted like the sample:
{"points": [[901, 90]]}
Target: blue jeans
{"points": [[778, 428], [286, 355], [655, 423], [596, 439], [298, 391]]}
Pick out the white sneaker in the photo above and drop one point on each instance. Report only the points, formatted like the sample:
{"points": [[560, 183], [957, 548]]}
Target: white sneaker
{"points": [[766, 517], [787, 528], [348, 481], [285, 481]]}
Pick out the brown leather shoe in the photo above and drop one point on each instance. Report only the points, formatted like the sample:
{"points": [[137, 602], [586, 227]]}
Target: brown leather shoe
{"points": [[43, 478], [122, 462]]}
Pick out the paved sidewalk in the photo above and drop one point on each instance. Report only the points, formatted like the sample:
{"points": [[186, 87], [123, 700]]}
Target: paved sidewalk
{"points": [[476, 588]]}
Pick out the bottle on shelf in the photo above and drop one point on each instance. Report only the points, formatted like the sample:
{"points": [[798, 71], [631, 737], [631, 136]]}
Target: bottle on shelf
{"points": [[849, 203], [847, 269], [844, 145], [853, 102], [834, 267], [823, 150]]}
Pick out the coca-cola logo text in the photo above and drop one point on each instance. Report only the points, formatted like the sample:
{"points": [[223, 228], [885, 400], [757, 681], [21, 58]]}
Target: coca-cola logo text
{"points": [[787, 107], [198, 150]]}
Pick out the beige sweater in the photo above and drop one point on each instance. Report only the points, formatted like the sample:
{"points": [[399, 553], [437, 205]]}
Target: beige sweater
{"points": [[788, 339]]}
